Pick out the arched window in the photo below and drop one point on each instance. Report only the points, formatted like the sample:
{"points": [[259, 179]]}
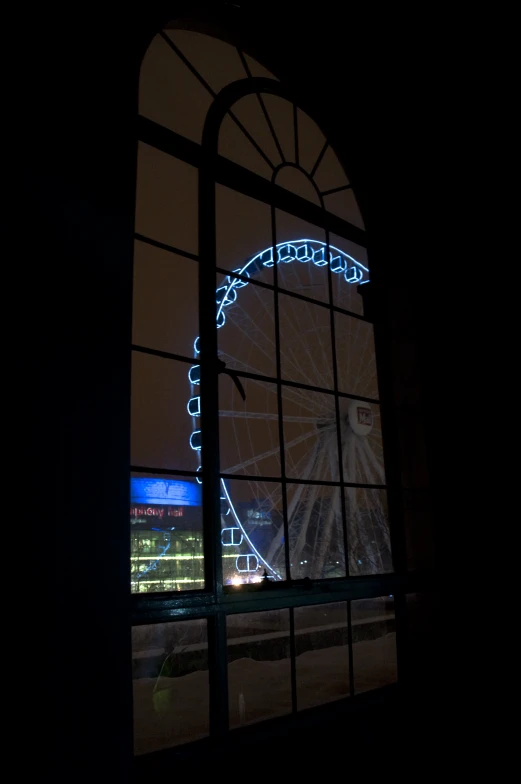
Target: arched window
{"points": [[258, 480]]}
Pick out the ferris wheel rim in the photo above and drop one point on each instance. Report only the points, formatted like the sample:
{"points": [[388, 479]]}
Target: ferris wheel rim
{"points": [[232, 284]]}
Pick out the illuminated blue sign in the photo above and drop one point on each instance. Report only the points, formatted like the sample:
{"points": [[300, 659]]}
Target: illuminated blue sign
{"points": [[164, 491]]}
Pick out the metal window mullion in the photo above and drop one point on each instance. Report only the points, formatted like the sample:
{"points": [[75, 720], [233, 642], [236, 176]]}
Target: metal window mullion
{"points": [[279, 395], [242, 180], [337, 413], [209, 394], [209, 380]]}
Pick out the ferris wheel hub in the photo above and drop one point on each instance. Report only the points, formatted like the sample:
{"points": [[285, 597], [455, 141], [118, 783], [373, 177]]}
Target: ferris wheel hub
{"points": [[360, 417]]}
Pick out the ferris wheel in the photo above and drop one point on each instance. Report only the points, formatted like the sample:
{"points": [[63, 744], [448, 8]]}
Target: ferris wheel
{"points": [[252, 528]]}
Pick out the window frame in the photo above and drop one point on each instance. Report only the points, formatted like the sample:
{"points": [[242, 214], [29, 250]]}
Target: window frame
{"points": [[216, 601]]}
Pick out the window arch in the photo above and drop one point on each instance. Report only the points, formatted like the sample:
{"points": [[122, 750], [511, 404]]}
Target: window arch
{"points": [[257, 455]]}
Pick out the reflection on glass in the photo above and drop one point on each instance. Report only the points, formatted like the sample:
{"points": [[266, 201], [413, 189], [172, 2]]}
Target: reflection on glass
{"points": [[165, 305], [251, 527], [166, 534], [170, 683], [161, 428], [368, 537], [316, 538], [374, 643], [322, 654], [259, 666]]}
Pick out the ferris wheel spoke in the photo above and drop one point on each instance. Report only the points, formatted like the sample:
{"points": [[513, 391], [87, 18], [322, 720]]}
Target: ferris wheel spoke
{"points": [[296, 549], [317, 402], [366, 449], [251, 332], [365, 473], [328, 527], [276, 544], [269, 453], [293, 395], [305, 346]]}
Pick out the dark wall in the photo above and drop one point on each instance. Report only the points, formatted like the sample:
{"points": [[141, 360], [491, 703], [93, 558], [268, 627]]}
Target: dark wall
{"points": [[75, 110]]}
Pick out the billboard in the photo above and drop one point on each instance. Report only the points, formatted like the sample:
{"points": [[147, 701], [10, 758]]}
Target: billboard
{"points": [[165, 492]]}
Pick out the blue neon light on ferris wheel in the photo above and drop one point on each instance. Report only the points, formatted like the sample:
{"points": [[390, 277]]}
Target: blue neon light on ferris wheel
{"points": [[302, 251]]}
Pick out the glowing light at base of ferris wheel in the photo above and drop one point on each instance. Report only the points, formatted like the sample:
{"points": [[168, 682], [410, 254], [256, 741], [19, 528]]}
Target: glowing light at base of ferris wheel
{"points": [[359, 414]]}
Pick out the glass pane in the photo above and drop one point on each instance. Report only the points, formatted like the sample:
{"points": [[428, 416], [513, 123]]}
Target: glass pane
{"points": [[217, 62], [248, 111], [316, 539], [246, 320], [355, 356], [167, 87], [346, 281], [235, 145], [374, 643], [165, 305], [362, 450], [330, 173], [368, 537], [310, 141], [256, 69], [310, 436], [280, 112], [259, 666], [166, 199], [252, 531], [243, 234], [249, 429], [302, 257], [343, 204], [170, 683], [294, 180], [322, 654], [161, 427], [166, 534], [419, 535], [306, 355]]}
